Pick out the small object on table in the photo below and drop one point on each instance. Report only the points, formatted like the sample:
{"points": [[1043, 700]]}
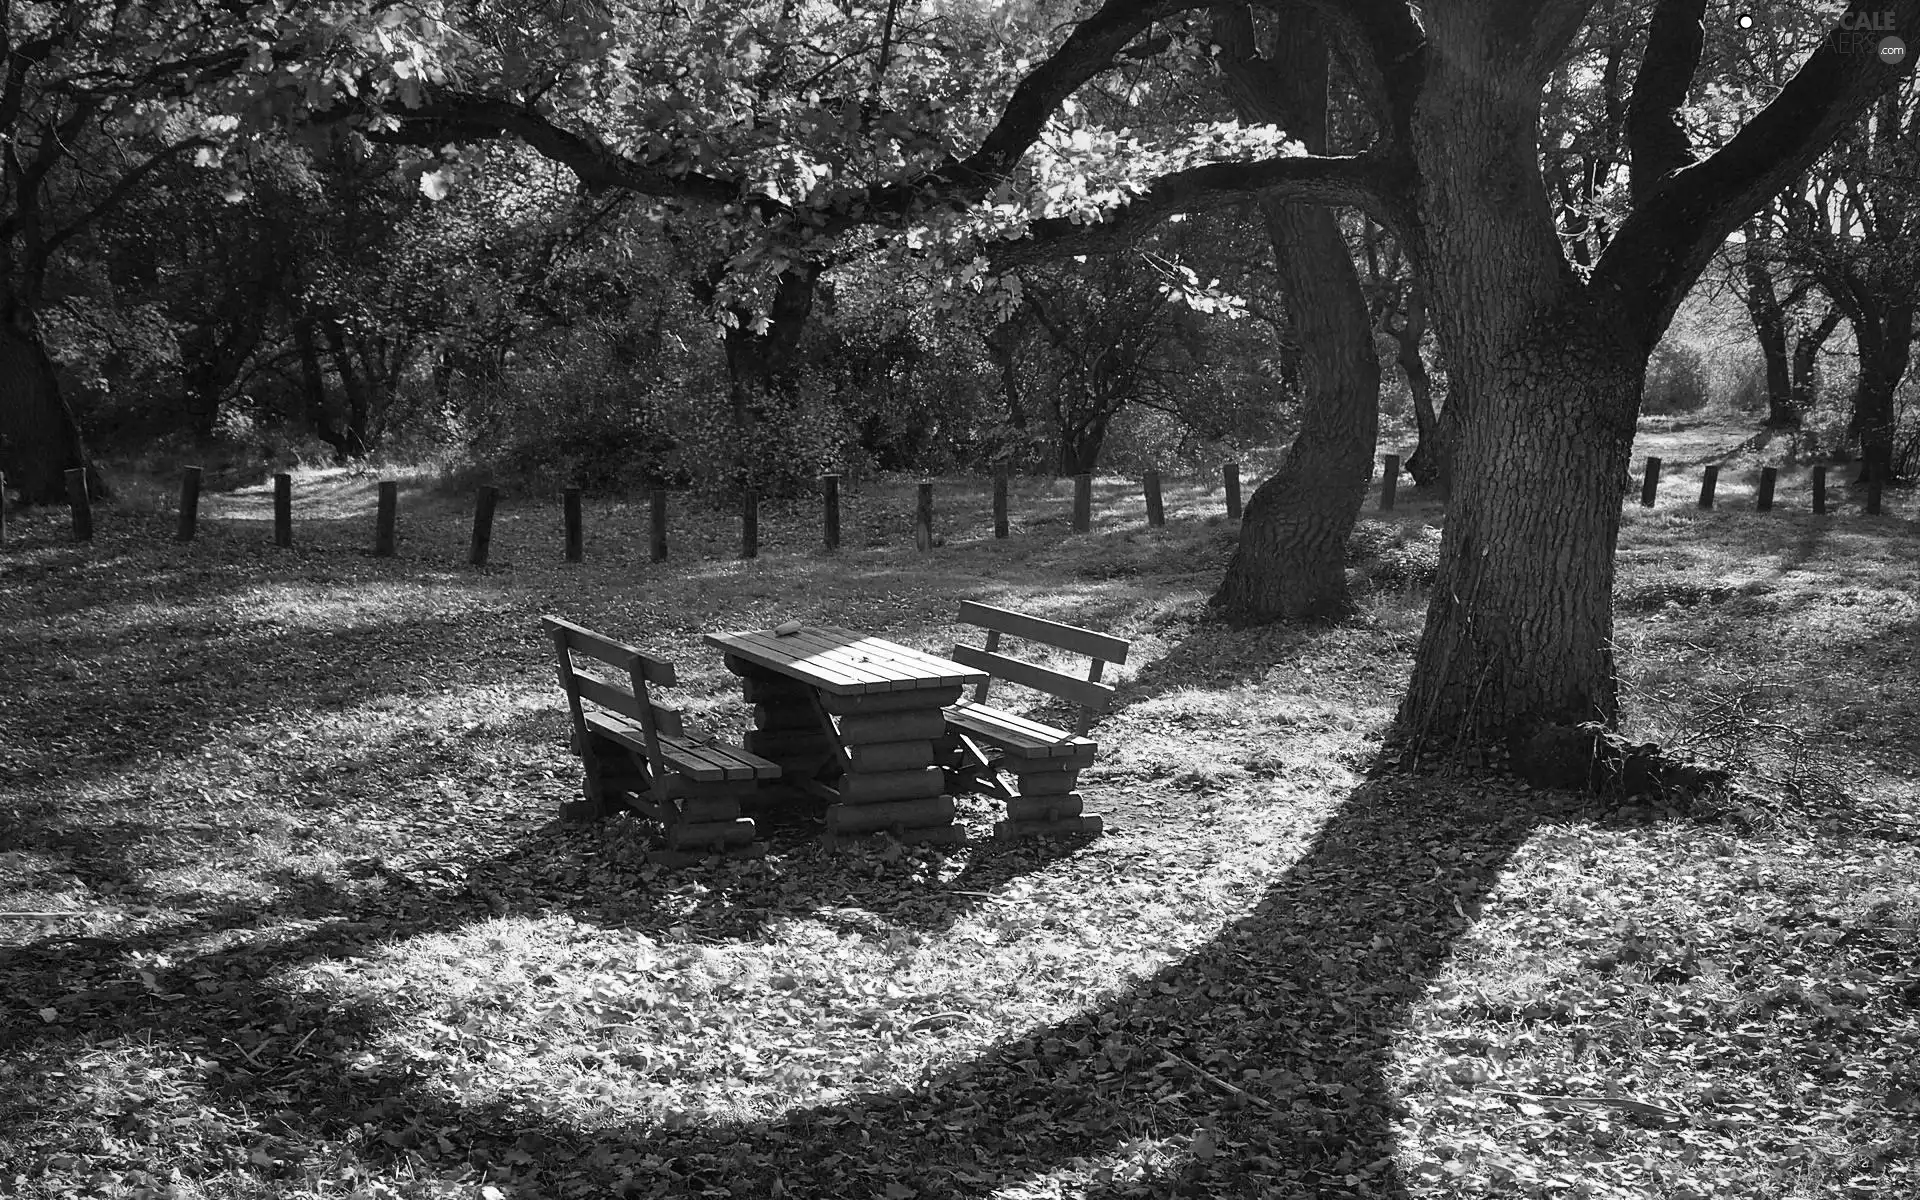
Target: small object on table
{"points": [[786, 629], [855, 720]]}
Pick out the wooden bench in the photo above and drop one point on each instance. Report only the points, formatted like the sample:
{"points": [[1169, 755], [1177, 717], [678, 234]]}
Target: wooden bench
{"points": [[1044, 761], [638, 754]]}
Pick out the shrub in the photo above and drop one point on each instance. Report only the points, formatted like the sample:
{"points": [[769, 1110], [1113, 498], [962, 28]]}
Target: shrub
{"points": [[1676, 379]]}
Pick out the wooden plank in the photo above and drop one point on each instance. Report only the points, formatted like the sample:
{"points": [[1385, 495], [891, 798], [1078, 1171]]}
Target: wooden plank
{"points": [[1083, 692], [774, 689], [1038, 629], [890, 756], [896, 666], [842, 662], [907, 814], [892, 727], [867, 786], [736, 763], [1020, 735], [606, 695], [798, 659], [707, 833], [582, 640], [1012, 724], [1048, 783], [1044, 808], [879, 702], [788, 743], [786, 714], [689, 758], [760, 768]]}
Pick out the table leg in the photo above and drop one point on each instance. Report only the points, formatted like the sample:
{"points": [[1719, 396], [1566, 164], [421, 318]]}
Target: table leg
{"points": [[787, 728], [892, 782]]}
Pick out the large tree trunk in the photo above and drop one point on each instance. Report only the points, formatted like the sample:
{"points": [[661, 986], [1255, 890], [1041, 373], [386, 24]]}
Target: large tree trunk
{"points": [[1520, 625], [39, 439], [1544, 387], [1291, 559], [1290, 562]]}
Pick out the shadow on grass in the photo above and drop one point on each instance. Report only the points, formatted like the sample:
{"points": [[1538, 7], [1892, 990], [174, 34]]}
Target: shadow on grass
{"points": [[1275, 1038]]}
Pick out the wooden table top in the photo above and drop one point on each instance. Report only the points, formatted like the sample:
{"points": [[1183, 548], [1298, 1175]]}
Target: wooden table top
{"points": [[843, 662]]}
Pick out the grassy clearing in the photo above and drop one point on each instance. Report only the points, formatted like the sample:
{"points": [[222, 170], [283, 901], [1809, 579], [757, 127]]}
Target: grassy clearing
{"points": [[317, 935]]}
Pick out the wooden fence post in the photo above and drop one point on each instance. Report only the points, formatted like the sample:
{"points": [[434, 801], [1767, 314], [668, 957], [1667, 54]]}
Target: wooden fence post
{"points": [[1156, 511], [1650, 485], [384, 518], [1820, 489], [81, 504], [1389, 481], [830, 509], [1232, 473], [283, 510], [576, 539], [1082, 503], [1709, 479], [189, 505], [483, 503], [750, 524], [1000, 501], [923, 519], [657, 525], [1763, 502]]}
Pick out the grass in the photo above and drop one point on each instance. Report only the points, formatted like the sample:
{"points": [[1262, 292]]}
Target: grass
{"points": [[317, 934]]}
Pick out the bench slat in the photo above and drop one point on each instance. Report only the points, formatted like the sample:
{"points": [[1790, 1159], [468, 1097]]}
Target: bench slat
{"points": [[618, 699], [1020, 735], [582, 640], [1072, 638], [1083, 692]]}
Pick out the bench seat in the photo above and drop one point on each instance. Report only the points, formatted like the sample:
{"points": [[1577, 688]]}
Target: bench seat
{"points": [[702, 762], [1018, 736]]}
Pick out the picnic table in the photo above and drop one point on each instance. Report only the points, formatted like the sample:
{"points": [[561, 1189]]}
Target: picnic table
{"points": [[856, 720]]}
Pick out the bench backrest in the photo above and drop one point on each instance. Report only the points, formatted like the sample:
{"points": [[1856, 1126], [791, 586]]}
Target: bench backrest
{"points": [[628, 700], [1089, 694]]}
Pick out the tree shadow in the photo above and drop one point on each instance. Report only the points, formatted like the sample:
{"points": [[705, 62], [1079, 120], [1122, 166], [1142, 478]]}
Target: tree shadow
{"points": [[1276, 1038]]}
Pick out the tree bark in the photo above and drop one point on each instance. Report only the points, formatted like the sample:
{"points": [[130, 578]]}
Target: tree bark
{"points": [[39, 438], [1806, 354], [1544, 386], [1427, 465], [1290, 562], [1770, 327], [1884, 336], [1520, 626]]}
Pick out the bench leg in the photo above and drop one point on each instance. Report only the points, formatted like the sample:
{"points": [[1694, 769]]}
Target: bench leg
{"points": [[610, 776], [1047, 805]]}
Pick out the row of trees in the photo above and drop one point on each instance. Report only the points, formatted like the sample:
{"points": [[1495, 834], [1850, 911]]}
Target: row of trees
{"points": [[1072, 204]]}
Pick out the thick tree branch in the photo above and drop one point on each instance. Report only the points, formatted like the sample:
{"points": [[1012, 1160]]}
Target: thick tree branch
{"points": [[1385, 43], [1656, 139], [1367, 181], [1669, 237]]}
